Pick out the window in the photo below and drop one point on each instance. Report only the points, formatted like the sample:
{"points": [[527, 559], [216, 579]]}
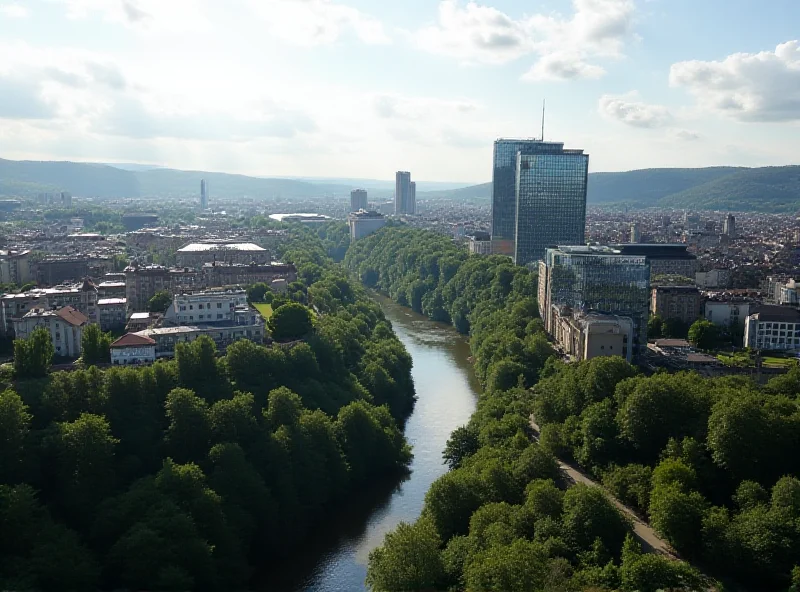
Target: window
{"points": [[191, 317], [183, 307], [201, 317], [219, 304], [58, 335], [191, 307], [219, 315], [200, 306]]}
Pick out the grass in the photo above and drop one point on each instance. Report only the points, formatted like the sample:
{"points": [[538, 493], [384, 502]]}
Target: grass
{"points": [[784, 362], [265, 309]]}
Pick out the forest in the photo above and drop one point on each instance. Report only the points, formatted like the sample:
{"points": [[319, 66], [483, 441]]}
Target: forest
{"points": [[197, 472], [498, 519]]}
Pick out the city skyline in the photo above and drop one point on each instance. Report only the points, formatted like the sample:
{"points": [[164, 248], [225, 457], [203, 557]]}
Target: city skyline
{"points": [[96, 80]]}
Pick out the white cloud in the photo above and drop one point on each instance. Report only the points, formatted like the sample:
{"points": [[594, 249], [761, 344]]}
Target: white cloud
{"points": [[14, 10], [419, 108], [310, 23], [476, 33], [762, 87], [683, 135], [146, 16], [630, 111]]}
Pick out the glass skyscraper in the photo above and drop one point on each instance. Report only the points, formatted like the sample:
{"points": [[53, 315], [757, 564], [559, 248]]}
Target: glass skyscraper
{"points": [[599, 279], [538, 197], [405, 193]]}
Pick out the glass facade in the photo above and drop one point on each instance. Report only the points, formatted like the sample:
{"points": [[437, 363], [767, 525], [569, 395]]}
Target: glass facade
{"points": [[550, 202], [504, 182], [599, 279], [402, 193]]}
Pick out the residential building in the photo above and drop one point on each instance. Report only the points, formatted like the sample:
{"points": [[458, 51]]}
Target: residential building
{"points": [[402, 193], [133, 349], [584, 336], [773, 328], [773, 286], [727, 312], [16, 306], [57, 270], [302, 218], [358, 200], [15, 267], [197, 254], [480, 243], [715, 278], [139, 321], [672, 259], [83, 297], [363, 223], [65, 326], [679, 303], [112, 312], [636, 233], [143, 282], [550, 200], [205, 307], [217, 276], [596, 279], [112, 288], [135, 221]]}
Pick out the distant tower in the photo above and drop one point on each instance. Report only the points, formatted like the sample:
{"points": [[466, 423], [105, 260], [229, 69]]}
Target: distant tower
{"points": [[729, 226], [636, 233], [402, 193], [412, 202], [66, 199], [358, 200], [203, 195]]}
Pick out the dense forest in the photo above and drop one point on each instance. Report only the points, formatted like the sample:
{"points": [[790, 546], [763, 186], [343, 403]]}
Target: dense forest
{"points": [[497, 520], [196, 472]]}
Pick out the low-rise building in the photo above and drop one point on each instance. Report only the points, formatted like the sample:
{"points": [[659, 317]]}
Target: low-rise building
{"points": [[480, 243], [773, 328], [727, 312], [133, 349], [139, 321], [205, 307], [680, 303], [65, 326], [15, 267], [198, 254], [715, 278], [363, 223], [588, 335], [82, 297]]}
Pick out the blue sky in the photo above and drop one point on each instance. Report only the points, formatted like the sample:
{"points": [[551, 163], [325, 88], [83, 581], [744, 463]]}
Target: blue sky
{"points": [[361, 88]]}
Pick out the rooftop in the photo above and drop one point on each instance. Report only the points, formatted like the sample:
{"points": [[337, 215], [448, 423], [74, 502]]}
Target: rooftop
{"points": [[133, 340], [203, 247], [303, 217], [784, 314], [111, 301], [140, 316]]}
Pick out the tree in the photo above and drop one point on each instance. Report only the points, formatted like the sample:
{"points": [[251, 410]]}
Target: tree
{"points": [[654, 327], [160, 302], [462, 444], [189, 431], [290, 322], [703, 334], [256, 292], [588, 515], [14, 425], [33, 356], [409, 559], [95, 346]]}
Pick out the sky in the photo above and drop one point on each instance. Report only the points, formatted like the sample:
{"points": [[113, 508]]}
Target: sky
{"points": [[363, 88]]}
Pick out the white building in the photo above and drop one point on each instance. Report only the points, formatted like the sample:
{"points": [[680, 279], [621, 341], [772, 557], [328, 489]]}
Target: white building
{"points": [[15, 267], [205, 307], [363, 223], [196, 254], [305, 218], [133, 349], [112, 313], [65, 326], [480, 243], [773, 328], [726, 313], [716, 278], [585, 336]]}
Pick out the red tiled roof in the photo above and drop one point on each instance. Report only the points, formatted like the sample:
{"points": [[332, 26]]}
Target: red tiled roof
{"points": [[72, 316], [133, 340]]}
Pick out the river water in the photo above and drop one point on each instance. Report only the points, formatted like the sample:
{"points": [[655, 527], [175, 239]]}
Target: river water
{"points": [[335, 558]]}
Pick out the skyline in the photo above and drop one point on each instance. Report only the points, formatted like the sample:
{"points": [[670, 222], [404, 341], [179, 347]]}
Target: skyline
{"points": [[358, 89]]}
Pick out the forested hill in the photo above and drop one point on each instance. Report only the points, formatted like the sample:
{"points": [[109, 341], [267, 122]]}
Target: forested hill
{"points": [[26, 178], [192, 474], [695, 456], [768, 189]]}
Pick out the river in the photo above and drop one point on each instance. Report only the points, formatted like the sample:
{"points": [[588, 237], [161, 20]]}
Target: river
{"points": [[335, 557]]}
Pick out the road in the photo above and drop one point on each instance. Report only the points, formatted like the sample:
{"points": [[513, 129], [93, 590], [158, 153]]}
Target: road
{"points": [[647, 537]]}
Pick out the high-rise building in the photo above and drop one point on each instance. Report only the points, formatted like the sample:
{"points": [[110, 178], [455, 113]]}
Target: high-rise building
{"points": [[66, 199], [203, 195], [402, 193], [358, 200], [413, 202], [636, 233], [595, 278], [550, 199], [729, 226]]}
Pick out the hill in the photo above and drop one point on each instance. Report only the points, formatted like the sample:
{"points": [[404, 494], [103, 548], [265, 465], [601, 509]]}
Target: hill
{"points": [[767, 189], [647, 186], [28, 177]]}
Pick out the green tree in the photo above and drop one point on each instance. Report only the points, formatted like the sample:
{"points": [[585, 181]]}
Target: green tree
{"points": [[14, 426], [189, 432], [290, 322], [462, 444], [654, 327], [257, 292], [95, 346], [33, 356], [704, 334], [160, 302], [409, 559]]}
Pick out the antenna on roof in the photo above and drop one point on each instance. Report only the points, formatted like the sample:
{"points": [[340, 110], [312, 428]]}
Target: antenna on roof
{"points": [[543, 104]]}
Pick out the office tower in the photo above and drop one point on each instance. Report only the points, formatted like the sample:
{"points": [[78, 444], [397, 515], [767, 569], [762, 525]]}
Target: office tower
{"points": [[66, 199], [203, 195], [636, 233], [550, 199], [730, 226], [597, 279], [402, 193], [358, 200], [412, 203]]}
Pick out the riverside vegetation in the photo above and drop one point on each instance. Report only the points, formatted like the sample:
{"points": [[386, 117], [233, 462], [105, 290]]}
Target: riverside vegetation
{"points": [[192, 473], [711, 462]]}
